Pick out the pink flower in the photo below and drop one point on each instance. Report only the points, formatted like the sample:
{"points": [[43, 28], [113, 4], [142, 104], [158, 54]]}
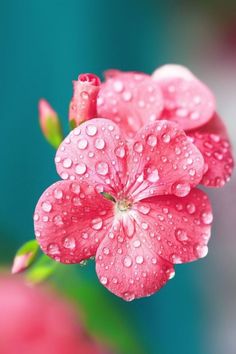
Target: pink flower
{"points": [[174, 93], [132, 205], [83, 105], [34, 321]]}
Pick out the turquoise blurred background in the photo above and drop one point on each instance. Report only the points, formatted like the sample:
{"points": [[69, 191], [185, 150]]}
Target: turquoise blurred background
{"points": [[44, 45]]}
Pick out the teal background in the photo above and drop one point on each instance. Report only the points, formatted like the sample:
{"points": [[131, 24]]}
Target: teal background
{"points": [[44, 45]]}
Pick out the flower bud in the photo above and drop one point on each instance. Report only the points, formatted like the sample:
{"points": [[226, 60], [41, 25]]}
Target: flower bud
{"points": [[50, 124], [83, 105]]}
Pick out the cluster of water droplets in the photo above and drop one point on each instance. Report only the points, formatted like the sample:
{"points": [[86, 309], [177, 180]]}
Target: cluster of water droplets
{"points": [[218, 158]]}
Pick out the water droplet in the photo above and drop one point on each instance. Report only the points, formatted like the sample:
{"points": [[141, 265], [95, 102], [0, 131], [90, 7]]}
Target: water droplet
{"points": [[138, 147], [191, 208], [181, 189], [75, 188], [53, 249], [152, 140], [139, 259], [47, 206], [120, 151], [153, 176], [137, 243], [58, 194], [84, 95], [36, 217], [106, 251], [69, 242], [127, 96], [67, 163], [102, 168], [91, 130], [144, 209], [97, 224], [144, 226], [82, 144], [104, 280], [127, 261], [129, 296], [154, 260], [80, 169], [200, 250], [207, 218], [175, 259], [58, 220], [118, 86], [166, 138], [99, 143], [181, 235], [170, 273]]}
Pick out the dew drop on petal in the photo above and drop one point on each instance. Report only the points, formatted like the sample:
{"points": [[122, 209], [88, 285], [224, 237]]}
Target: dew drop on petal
{"points": [[138, 147], [166, 138], [80, 169], [181, 235], [97, 224], [127, 261], [144, 209], [137, 243], [58, 194], [153, 176], [181, 189], [120, 152], [100, 143], [118, 86], [152, 140], [104, 280], [69, 242], [102, 168], [53, 249], [139, 259], [91, 130], [82, 144], [47, 206], [207, 218], [200, 250]]}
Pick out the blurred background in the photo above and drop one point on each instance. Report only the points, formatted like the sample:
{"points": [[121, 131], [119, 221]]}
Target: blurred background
{"points": [[44, 45]]}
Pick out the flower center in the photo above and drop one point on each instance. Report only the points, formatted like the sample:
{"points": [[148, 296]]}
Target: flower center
{"points": [[123, 205]]}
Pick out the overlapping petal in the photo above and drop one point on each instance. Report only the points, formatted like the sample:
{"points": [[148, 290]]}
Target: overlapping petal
{"points": [[213, 142], [70, 221], [187, 100], [94, 152], [177, 228], [162, 160], [130, 99], [128, 268]]}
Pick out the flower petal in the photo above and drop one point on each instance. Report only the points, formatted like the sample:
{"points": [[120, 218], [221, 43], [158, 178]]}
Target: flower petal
{"points": [[213, 142], [130, 99], [178, 228], [162, 160], [70, 221], [94, 152], [129, 269], [187, 100]]}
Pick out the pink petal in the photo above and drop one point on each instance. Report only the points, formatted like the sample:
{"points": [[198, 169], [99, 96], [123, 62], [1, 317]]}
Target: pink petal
{"points": [[178, 229], [128, 268], [95, 152], [188, 101], [162, 160], [213, 142], [83, 105], [130, 99], [70, 221]]}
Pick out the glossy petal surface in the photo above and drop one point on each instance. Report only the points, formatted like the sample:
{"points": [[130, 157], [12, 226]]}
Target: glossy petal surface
{"points": [[70, 221]]}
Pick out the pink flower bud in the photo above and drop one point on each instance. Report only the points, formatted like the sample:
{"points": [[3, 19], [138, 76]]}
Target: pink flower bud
{"points": [[50, 124], [83, 105]]}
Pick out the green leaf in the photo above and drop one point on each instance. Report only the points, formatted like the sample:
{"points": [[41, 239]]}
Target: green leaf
{"points": [[42, 269]]}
